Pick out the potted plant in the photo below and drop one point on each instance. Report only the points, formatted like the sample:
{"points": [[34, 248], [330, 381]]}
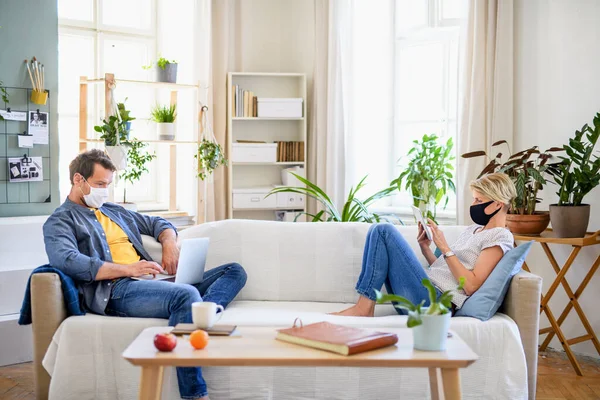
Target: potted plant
{"points": [[428, 175], [4, 96], [527, 169], [210, 155], [430, 324], [354, 210], [165, 116], [166, 70], [576, 175], [137, 160], [125, 117], [115, 150]]}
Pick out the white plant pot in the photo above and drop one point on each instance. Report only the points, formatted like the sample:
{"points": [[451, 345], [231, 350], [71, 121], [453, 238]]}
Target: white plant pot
{"points": [[432, 334], [166, 130]]}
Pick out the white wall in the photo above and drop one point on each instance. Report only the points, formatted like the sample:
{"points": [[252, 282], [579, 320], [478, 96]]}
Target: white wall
{"points": [[557, 90]]}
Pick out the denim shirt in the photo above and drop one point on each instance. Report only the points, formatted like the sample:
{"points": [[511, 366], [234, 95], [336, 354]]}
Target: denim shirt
{"points": [[76, 244]]}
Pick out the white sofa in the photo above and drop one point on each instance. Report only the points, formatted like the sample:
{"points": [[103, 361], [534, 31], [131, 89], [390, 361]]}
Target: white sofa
{"points": [[295, 270]]}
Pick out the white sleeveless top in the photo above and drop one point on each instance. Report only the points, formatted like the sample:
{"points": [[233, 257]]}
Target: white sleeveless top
{"points": [[467, 248]]}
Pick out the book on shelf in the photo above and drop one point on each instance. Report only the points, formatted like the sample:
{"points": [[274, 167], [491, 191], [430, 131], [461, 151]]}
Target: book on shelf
{"points": [[244, 103], [290, 151], [339, 339]]}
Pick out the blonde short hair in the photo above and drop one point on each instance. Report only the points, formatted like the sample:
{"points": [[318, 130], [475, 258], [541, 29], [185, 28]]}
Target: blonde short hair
{"points": [[496, 186]]}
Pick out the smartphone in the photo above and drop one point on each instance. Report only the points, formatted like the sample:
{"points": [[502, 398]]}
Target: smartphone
{"points": [[419, 216]]}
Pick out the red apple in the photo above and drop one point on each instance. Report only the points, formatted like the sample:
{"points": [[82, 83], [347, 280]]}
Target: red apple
{"points": [[165, 341]]}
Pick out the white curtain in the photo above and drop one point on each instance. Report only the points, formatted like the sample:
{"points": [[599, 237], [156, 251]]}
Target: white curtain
{"points": [[351, 111], [217, 53], [329, 125], [487, 89]]}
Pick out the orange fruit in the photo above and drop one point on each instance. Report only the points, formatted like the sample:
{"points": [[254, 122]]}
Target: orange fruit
{"points": [[199, 339]]}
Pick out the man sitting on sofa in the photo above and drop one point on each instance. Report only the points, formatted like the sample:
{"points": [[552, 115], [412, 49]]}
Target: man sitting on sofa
{"points": [[99, 245]]}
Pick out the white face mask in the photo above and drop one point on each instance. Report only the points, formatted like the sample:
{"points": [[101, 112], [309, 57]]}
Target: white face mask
{"points": [[97, 196]]}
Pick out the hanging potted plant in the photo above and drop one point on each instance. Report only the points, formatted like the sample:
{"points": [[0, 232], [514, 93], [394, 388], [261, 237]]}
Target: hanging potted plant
{"points": [[527, 169], [166, 71], [428, 175], [165, 117], [576, 176], [430, 324], [114, 144], [137, 161], [125, 117]]}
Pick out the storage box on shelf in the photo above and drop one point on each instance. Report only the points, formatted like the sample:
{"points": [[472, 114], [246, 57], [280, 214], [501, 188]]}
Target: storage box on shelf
{"points": [[262, 147]]}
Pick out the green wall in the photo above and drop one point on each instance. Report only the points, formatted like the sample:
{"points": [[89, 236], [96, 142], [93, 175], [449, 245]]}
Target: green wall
{"points": [[28, 28]]}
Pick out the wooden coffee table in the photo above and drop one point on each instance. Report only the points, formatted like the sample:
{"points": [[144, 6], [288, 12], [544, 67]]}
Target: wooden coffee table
{"points": [[257, 347]]}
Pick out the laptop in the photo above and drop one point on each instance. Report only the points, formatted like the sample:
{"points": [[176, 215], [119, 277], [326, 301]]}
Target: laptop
{"points": [[190, 268]]}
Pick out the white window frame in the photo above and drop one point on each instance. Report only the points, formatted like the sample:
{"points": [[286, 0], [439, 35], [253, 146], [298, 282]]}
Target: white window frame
{"points": [[437, 30], [101, 32]]}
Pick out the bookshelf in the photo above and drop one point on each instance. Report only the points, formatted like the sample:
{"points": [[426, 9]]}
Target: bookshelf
{"points": [[125, 85], [261, 175]]}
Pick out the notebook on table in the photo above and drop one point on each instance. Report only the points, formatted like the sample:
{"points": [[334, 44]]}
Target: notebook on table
{"points": [[216, 330], [339, 339]]}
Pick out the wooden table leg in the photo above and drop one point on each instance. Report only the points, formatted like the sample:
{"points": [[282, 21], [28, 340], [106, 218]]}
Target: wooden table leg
{"points": [[434, 384], [151, 383], [451, 383]]}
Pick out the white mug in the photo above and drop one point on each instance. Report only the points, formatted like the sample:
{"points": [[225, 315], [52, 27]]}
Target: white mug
{"points": [[204, 314]]}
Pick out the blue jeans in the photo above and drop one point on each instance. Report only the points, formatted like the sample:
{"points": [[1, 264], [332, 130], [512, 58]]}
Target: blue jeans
{"points": [[160, 299], [388, 259]]}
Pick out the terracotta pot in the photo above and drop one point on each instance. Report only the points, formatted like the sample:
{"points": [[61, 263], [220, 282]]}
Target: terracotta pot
{"points": [[528, 224], [570, 221]]}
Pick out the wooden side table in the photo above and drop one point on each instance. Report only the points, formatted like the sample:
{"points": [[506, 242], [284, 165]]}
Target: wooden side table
{"points": [[545, 239]]}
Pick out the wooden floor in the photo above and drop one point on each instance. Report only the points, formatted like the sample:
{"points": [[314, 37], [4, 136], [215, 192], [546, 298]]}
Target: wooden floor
{"points": [[556, 379]]}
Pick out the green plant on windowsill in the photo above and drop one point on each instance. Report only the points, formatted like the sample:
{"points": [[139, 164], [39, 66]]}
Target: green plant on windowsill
{"points": [[428, 175], [354, 210], [137, 164], [210, 155], [437, 306]]}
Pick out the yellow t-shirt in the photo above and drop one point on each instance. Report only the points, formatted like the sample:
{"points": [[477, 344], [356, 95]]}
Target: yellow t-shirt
{"points": [[120, 247]]}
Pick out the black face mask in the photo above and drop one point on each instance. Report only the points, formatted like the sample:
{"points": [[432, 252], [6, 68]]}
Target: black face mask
{"points": [[478, 214]]}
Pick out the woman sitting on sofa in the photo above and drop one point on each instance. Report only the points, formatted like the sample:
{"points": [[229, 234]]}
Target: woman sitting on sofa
{"points": [[388, 259]]}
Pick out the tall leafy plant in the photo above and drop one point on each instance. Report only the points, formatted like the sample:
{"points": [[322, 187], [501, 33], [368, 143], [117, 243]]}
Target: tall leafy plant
{"points": [[579, 173], [137, 163], [354, 210], [526, 168], [429, 174], [109, 130]]}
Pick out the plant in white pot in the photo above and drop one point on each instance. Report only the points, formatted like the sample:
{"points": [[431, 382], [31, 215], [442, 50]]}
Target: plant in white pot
{"points": [[137, 165], [165, 117], [430, 324], [576, 176]]}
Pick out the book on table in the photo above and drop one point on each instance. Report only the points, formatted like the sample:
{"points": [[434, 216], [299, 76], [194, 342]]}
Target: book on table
{"points": [[339, 339]]}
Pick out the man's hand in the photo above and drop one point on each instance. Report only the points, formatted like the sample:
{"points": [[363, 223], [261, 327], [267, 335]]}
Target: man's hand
{"points": [[438, 237], [170, 257], [143, 267]]}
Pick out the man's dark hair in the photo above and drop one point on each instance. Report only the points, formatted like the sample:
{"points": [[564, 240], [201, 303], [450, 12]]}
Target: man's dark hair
{"points": [[84, 163]]}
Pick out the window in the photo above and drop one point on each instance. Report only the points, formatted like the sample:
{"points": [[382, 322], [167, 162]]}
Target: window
{"points": [[110, 36], [426, 81], [404, 85]]}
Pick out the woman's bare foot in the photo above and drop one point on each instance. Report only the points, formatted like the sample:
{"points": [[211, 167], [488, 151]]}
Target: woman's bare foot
{"points": [[363, 308]]}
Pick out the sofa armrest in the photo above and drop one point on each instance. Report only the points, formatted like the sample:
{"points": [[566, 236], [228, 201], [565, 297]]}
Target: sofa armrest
{"points": [[47, 312], [522, 304]]}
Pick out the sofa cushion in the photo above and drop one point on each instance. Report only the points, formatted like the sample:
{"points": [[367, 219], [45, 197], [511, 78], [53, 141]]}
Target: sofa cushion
{"points": [[484, 303]]}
